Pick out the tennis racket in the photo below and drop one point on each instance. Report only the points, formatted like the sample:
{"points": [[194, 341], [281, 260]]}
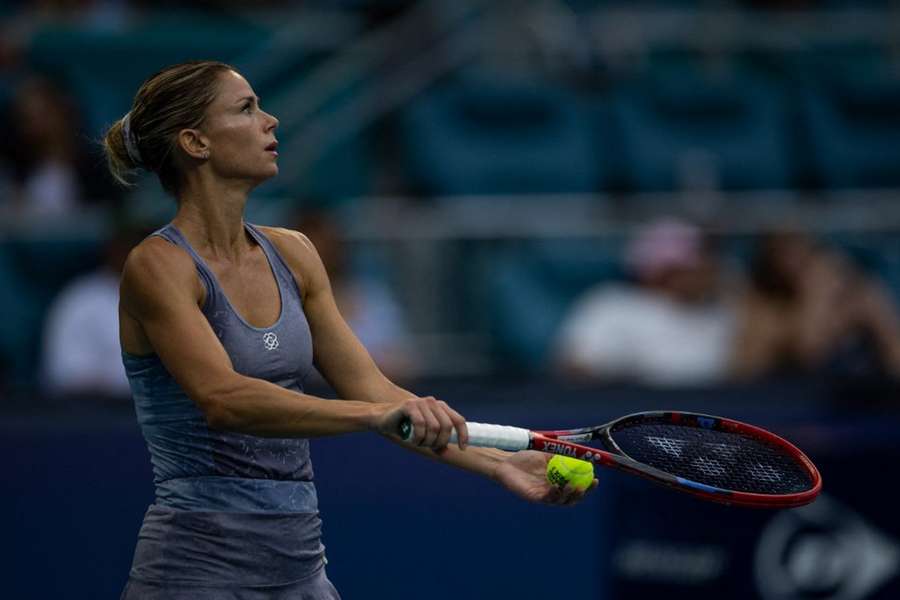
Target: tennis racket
{"points": [[709, 457]]}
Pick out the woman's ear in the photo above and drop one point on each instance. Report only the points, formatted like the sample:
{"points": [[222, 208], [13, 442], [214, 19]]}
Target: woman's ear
{"points": [[193, 143]]}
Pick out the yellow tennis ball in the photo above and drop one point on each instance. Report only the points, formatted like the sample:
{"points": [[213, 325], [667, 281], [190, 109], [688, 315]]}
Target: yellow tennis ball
{"points": [[562, 470]]}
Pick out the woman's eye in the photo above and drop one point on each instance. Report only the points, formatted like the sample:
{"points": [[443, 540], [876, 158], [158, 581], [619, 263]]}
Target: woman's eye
{"points": [[248, 107]]}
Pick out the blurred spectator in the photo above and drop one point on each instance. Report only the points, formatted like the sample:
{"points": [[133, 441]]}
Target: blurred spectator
{"points": [[54, 169], [673, 326], [810, 310], [366, 303], [81, 352]]}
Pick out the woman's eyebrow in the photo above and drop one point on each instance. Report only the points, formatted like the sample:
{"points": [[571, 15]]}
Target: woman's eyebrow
{"points": [[256, 98]]}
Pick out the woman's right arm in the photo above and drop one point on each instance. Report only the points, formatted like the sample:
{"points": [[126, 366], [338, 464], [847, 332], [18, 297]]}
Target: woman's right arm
{"points": [[161, 291]]}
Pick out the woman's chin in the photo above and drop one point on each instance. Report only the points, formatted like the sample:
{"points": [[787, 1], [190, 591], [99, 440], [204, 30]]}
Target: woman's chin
{"points": [[270, 172], [258, 179]]}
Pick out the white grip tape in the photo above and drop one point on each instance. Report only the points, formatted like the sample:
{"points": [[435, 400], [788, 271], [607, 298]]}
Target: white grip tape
{"points": [[503, 437]]}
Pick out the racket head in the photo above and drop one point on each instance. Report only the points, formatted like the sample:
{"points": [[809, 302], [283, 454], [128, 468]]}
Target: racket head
{"points": [[715, 458]]}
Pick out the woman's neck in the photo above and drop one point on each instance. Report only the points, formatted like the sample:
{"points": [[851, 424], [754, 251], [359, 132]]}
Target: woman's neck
{"points": [[213, 220]]}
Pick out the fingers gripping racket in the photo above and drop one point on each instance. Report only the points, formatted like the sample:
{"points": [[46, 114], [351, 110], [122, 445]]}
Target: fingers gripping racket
{"points": [[710, 457]]}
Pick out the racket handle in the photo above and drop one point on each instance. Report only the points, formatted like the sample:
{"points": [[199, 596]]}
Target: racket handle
{"points": [[484, 435]]}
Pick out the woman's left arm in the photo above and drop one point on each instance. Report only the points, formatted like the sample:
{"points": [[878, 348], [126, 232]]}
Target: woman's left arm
{"points": [[344, 362]]}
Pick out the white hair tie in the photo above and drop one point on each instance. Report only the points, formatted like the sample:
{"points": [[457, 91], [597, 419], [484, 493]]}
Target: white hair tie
{"points": [[131, 141]]}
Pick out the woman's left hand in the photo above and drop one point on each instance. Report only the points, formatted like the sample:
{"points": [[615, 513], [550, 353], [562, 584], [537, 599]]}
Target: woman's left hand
{"points": [[525, 474]]}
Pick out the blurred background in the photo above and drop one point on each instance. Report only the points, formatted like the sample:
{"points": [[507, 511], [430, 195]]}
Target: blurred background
{"points": [[548, 213]]}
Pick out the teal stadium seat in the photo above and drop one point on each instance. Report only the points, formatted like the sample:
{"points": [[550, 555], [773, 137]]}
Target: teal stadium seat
{"points": [[481, 135], [852, 117], [529, 290], [32, 273], [16, 338], [678, 120]]}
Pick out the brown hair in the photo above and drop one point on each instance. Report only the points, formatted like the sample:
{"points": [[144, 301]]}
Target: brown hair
{"points": [[173, 99]]}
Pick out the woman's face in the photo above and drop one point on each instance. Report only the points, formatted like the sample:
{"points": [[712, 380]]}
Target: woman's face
{"points": [[239, 134]]}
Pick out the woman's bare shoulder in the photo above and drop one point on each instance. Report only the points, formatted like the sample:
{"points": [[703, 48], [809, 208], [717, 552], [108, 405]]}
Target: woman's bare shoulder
{"points": [[288, 240], [300, 255], [156, 256], [296, 249], [155, 267]]}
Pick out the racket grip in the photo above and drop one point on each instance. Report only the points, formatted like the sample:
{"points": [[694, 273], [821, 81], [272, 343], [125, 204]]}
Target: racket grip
{"points": [[484, 435]]}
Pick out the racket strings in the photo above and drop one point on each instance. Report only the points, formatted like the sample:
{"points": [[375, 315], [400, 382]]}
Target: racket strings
{"points": [[720, 459]]}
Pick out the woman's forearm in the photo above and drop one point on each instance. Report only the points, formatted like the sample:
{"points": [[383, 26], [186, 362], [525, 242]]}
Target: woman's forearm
{"points": [[481, 461], [257, 407]]}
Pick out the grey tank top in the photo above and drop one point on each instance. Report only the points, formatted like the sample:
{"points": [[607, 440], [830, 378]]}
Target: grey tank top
{"points": [[229, 507]]}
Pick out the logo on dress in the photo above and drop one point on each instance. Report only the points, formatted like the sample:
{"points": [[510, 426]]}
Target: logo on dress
{"points": [[270, 340]]}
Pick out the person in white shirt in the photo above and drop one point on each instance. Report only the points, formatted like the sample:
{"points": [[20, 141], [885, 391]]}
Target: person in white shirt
{"points": [[673, 327], [81, 352]]}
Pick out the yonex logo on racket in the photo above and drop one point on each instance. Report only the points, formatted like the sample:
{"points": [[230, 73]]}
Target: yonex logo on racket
{"points": [[557, 448], [270, 341]]}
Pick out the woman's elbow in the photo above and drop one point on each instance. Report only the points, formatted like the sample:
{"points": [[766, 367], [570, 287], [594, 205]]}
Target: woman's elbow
{"points": [[218, 415], [219, 406]]}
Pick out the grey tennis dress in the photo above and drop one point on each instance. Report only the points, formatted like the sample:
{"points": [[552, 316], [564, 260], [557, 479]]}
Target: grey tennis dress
{"points": [[235, 516]]}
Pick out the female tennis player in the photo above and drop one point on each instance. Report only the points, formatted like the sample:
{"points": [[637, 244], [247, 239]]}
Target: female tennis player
{"points": [[221, 321]]}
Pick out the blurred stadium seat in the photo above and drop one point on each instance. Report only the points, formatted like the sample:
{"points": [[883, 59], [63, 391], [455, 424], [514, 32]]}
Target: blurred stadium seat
{"points": [[487, 135], [528, 292], [685, 127], [32, 272], [852, 113], [16, 301]]}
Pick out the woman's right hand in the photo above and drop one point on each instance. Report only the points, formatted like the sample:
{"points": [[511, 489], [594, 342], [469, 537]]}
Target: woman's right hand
{"points": [[433, 421]]}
